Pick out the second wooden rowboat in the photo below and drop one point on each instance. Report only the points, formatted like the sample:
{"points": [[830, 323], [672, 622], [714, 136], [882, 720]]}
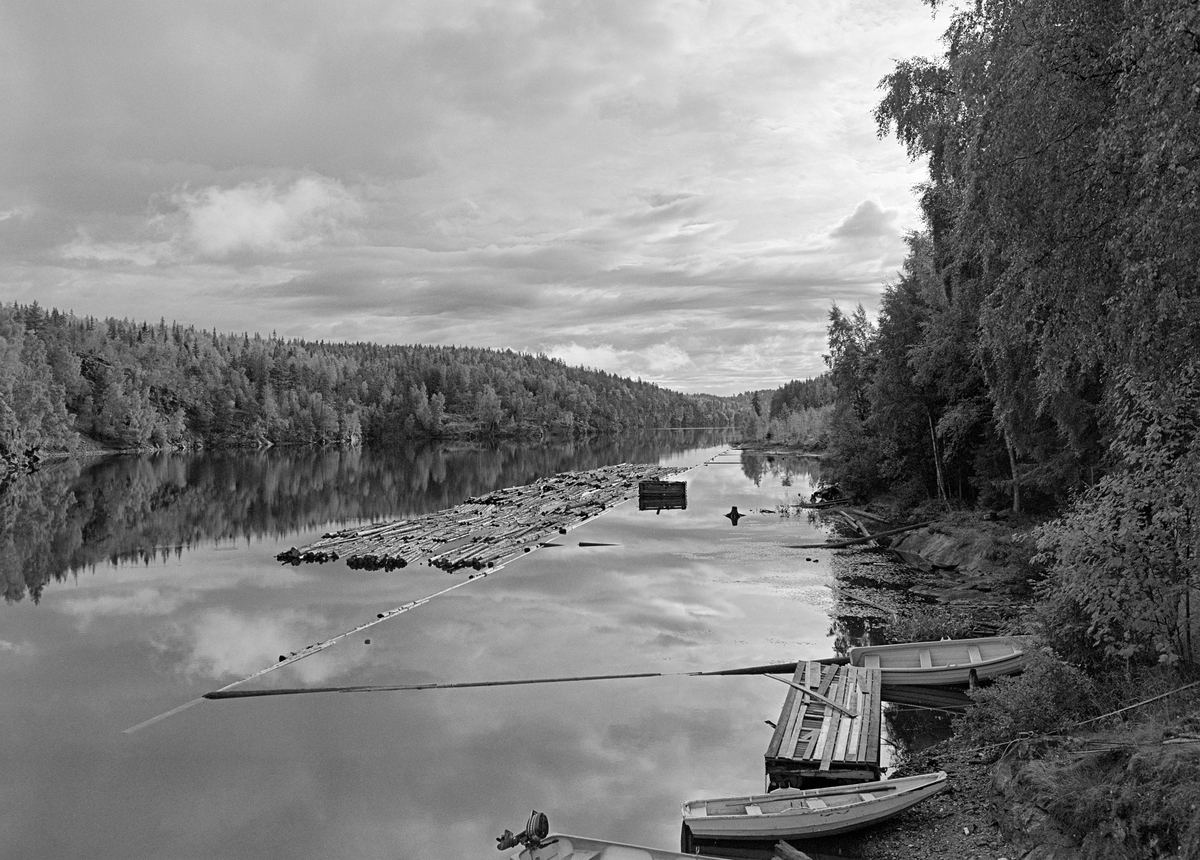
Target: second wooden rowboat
{"points": [[807, 813], [946, 662]]}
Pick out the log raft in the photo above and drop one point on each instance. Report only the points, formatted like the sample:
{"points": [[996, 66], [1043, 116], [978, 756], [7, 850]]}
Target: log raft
{"points": [[487, 531]]}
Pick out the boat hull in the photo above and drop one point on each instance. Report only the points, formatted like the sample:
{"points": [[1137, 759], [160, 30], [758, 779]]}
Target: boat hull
{"points": [[948, 662], [558, 846], [792, 814]]}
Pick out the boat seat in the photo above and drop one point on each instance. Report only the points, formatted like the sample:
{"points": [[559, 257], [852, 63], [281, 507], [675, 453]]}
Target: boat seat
{"points": [[866, 795], [871, 661], [751, 809], [926, 659], [816, 803], [973, 652]]}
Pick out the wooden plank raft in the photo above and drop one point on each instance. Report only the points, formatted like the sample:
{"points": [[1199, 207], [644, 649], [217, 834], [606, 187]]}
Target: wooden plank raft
{"points": [[818, 744], [488, 531], [662, 495]]}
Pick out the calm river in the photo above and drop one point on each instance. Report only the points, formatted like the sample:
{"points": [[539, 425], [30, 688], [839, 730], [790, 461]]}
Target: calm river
{"points": [[136, 584]]}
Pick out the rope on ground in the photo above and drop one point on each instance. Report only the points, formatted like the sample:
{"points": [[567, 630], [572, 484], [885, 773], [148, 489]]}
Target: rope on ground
{"points": [[1033, 737]]}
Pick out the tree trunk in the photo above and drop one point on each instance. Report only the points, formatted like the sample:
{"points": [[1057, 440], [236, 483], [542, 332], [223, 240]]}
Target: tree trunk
{"points": [[937, 458], [1016, 485]]}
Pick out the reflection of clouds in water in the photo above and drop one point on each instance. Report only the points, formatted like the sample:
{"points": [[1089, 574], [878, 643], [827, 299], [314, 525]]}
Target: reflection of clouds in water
{"points": [[143, 601], [18, 648], [221, 642]]}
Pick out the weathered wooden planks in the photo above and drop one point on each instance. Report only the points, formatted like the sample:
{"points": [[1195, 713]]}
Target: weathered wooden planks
{"points": [[662, 495], [487, 531], [814, 741]]}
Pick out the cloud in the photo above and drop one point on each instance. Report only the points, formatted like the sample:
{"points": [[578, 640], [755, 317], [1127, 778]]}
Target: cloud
{"points": [[869, 221], [250, 220], [654, 361], [588, 176], [85, 249], [262, 218]]}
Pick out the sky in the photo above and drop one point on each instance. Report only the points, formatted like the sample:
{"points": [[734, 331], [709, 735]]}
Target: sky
{"points": [[676, 190]]}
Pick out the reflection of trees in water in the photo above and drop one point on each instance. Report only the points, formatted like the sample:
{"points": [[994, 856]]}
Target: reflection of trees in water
{"points": [[72, 515], [787, 469]]}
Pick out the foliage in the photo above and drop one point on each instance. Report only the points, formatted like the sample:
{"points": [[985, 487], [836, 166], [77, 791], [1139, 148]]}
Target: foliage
{"points": [[930, 624], [806, 428], [801, 394], [1047, 696], [1061, 138], [1040, 346], [33, 413], [797, 413], [138, 385], [1123, 559]]}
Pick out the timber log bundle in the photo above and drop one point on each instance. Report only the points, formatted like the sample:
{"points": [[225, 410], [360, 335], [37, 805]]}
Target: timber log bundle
{"points": [[487, 531]]}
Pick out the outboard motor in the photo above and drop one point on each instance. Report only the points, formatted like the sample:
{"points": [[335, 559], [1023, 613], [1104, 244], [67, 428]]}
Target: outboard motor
{"points": [[536, 829]]}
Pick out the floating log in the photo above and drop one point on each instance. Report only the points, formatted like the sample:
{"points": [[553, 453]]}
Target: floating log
{"points": [[229, 693], [845, 595], [866, 515], [856, 525], [860, 540]]}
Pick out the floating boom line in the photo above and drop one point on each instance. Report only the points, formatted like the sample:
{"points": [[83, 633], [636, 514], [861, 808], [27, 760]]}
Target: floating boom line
{"points": [[768, 670]]}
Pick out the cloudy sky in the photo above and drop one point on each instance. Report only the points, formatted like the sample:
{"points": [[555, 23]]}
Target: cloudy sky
{"points": [[671, 189]]}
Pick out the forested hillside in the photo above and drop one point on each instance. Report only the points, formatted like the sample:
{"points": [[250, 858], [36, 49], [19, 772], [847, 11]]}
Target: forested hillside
{"points": [[796, 414], [1040, 348], [131, 385]]}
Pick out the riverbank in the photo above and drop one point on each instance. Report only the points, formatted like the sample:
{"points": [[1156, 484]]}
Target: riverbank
{"points": [[1053, 765], [978, 574]]}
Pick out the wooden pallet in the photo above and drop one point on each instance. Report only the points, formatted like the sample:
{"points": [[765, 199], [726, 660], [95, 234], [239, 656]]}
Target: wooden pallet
{"points": [[815, 743]]}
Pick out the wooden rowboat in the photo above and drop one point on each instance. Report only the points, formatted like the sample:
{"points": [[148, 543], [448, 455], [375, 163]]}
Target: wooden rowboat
{"points": [[558, 846], [946, 662], [807, 813]]}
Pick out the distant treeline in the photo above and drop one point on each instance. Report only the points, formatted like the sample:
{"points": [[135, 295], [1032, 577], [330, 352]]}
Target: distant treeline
{"points": [[140, 385], [1041, 348], [797, 413]]}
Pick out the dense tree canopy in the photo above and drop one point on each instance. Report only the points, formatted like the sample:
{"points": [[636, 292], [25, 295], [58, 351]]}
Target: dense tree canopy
{"points": [[134, 384], [1031, 350]]}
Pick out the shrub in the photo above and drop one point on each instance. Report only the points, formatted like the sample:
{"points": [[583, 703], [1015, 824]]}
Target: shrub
{"points": [[927, 625], [1047, 696]]}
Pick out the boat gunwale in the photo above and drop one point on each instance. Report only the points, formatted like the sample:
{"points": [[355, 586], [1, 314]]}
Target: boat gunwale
{"points": [[1018, 655], [814, 823], [915, 783]]}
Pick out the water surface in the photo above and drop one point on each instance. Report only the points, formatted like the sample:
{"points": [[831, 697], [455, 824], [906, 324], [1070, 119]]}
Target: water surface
{"points": [[135, 585]]}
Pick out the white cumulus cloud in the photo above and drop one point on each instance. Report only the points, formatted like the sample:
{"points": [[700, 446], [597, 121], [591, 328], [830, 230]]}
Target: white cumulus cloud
{"points": [[262, 217], [650, 362]]}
